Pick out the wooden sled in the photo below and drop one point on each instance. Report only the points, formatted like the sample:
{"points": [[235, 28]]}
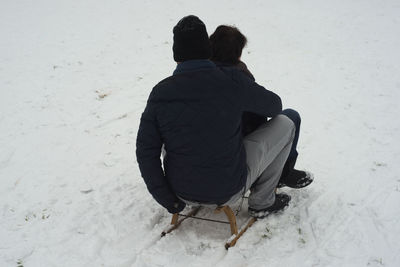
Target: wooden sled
{"points": [[236, 234]]}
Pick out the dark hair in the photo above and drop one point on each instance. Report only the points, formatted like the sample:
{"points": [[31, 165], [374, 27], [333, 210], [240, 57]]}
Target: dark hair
{"points": [[227, 43]]}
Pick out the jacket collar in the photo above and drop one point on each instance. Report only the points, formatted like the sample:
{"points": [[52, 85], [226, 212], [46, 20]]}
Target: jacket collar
{"points": [[194, 65]]}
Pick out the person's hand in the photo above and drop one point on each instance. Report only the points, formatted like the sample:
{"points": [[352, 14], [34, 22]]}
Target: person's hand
{"points": [[177, 207]]}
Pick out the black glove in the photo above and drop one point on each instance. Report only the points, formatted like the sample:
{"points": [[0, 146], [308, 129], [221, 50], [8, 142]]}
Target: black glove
{"points": [[177, 207]]}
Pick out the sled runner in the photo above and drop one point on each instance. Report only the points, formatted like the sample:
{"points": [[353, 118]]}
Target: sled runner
{"points": [[235, 232]]}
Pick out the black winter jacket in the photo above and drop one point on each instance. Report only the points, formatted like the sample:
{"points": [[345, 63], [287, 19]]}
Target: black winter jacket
{"points": [[196, 114]]}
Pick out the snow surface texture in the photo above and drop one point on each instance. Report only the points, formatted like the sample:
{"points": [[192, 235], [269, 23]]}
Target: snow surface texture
{"points": [[75, 77]]}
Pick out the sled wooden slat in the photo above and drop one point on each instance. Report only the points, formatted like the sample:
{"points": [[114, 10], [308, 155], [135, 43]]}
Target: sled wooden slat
{"points": [[175, 218], [231, 217]]}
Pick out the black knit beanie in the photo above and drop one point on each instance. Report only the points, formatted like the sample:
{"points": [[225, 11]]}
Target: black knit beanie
{"points": [[191, 40]]}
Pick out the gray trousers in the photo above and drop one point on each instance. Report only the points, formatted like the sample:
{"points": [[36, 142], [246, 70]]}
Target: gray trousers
{"points": [[267, 149]]}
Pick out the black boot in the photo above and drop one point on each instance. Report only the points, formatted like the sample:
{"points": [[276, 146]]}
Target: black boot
{"points": [[296, 179], [281, 201]]}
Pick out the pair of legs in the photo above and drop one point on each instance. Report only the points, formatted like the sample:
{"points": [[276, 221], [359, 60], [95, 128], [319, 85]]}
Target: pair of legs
{"points": [[277, 150], [267, 151], [250, 122]]}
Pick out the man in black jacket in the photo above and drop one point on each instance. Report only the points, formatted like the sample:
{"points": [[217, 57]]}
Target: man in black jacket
{"points": [[196, 115]]}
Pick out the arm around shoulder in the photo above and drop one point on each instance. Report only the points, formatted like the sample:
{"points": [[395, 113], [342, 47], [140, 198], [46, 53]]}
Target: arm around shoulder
{"points": [[259, 100]]}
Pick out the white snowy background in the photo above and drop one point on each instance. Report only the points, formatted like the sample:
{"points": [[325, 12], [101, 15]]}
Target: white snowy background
{"points": [[75, 77]]}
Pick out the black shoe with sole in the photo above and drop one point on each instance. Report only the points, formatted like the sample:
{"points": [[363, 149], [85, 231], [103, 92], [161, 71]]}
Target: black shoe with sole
{"points": [[296, 179], [281, 201]]}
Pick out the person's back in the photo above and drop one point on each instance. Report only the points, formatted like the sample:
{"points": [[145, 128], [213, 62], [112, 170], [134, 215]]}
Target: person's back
{"points": [[199, 120]]}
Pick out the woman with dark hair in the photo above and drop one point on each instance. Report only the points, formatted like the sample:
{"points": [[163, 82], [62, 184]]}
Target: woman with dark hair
{"points": [[227, 44]]}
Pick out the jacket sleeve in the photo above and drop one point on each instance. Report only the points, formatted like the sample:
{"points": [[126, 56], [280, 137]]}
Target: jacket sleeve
{"points": [[148, 150], [257, 99]]}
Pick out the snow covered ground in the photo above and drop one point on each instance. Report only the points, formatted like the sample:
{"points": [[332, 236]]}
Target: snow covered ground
{"points": [[75, 77]]}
